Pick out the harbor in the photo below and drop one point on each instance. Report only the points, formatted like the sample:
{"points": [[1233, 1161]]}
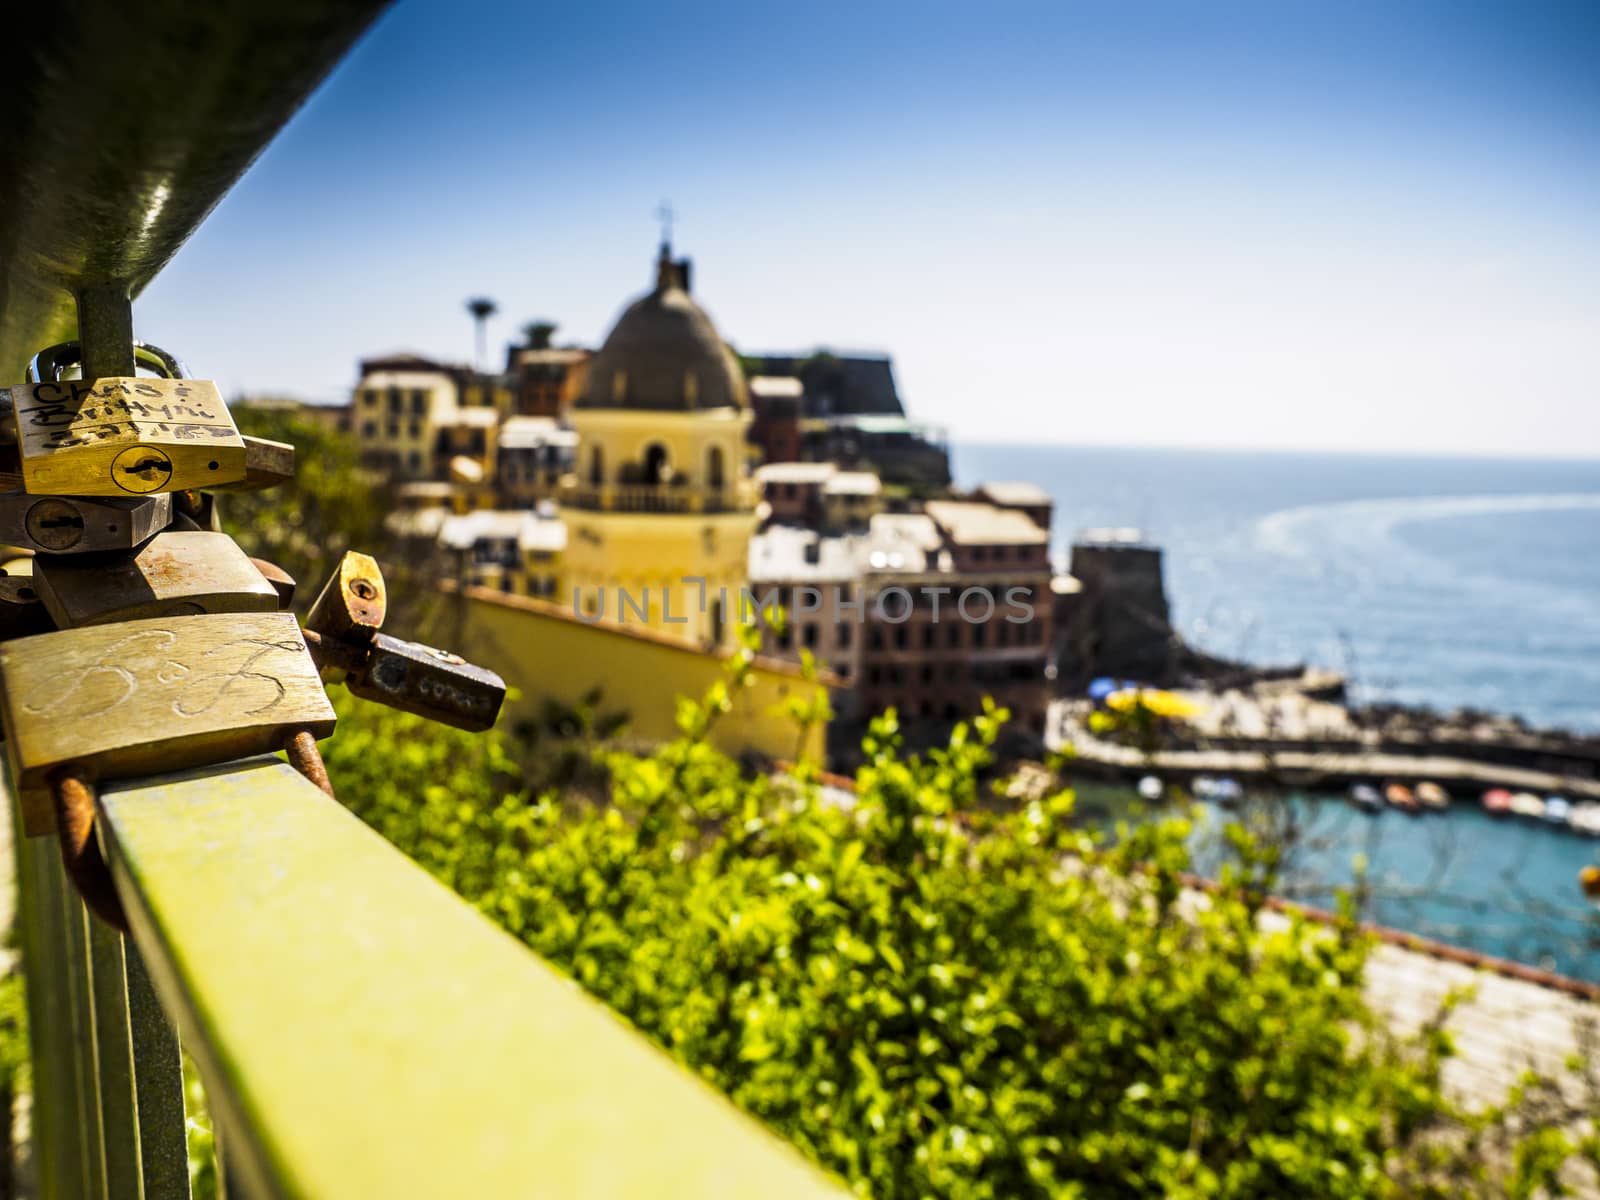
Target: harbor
{"points": [[1289, 733], [1469, 838]]}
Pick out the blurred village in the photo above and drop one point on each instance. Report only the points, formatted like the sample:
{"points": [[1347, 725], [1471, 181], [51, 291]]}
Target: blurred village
{"points": [[614, 514], [643, 489]]}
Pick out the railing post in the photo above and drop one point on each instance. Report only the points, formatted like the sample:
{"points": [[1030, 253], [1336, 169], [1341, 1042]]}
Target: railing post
{"points": [[158, 1086], [111, 1059], [60, 1151], [108, 1119]]}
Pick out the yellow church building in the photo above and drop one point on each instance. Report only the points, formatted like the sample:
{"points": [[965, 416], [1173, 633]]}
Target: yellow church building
{"points": [[661, 508]]}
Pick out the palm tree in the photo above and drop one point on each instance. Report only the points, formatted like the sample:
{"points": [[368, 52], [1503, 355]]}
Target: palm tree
{"points": [[482, 308]]}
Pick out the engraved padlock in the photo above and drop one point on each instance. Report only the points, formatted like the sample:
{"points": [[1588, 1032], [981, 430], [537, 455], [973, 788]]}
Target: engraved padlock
{"points": [[342, 631], [121, 435], [141, 697]]}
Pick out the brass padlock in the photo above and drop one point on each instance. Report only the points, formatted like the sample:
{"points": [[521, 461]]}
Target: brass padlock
{"points": [[342, 631], [430, 683], [353, 603], [266, 465], [124, 437], [173, 574], [141, 697], [121, 435]]}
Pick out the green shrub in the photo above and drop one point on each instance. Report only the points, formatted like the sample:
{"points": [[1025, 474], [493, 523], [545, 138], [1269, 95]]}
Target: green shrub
{"points": [[935, 999]]}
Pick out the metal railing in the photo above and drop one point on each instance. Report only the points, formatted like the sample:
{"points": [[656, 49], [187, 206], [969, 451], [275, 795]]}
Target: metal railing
{"points": [[360, 1031]]}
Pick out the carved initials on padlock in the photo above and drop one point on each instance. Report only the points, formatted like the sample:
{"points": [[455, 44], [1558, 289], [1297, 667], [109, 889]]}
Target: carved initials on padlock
{"points": [[124, 437], [141, 697]]}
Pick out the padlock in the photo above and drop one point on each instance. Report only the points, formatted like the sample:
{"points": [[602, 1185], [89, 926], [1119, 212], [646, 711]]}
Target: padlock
{"points": [[173, 574], [282, 582], [342, 631], [141, 697], [121, 435], [430, 683], [266, 465], [81, 525], [352, 604]]}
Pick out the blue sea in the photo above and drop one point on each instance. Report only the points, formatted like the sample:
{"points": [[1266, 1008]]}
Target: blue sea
{"points": [[1440, 581]]}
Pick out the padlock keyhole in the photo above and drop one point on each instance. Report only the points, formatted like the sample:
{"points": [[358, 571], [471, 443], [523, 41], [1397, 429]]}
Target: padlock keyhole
{"points": [[66, 521], [149, 464]]}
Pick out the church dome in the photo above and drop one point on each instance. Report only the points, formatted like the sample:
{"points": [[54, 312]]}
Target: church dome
{"points": [[664, 354]]}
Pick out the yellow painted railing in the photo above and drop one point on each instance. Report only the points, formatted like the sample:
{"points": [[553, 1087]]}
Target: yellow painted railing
{"points": [[360, 1030]]}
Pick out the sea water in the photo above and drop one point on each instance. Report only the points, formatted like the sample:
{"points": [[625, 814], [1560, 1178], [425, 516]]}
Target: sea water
{"points": [[1446, 582]]}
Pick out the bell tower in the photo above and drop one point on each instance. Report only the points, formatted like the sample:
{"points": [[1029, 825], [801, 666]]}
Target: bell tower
{"points": [[661, 509]]}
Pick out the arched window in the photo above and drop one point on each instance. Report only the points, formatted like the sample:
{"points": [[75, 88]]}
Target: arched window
{"points": [[691, 389], [657, 464], [619, 387], [714, 468], [597, 467]]}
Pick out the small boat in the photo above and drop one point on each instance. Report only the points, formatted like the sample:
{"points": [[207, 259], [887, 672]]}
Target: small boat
{"points": [[1497, 802], [1150, 788], [1526, 804], [1557, 810], [1398, 795], [1585, 818], [1431, 796], [1589, 881], [1365, 797]]}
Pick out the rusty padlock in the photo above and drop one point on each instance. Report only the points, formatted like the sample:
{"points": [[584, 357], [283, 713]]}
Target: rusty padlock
{"points": [[343, 633]]}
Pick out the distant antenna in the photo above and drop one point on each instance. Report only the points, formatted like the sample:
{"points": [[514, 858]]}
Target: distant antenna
{"points": [[666, 216]]}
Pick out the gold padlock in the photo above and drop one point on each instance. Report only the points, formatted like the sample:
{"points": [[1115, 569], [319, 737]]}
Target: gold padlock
{"points": [[173, 574], [142, 697], [124, 436]]}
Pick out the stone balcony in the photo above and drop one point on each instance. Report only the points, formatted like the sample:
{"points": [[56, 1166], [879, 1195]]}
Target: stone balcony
{"points": [[658, 498]]}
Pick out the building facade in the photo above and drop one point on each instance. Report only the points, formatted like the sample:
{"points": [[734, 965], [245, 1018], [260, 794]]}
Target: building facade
{"points": [[546, 381], [399, 408], [924, 612], [660, 509]]}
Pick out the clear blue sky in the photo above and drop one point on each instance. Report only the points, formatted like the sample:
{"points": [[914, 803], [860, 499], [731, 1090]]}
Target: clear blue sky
{"points": [[1342, 225]]}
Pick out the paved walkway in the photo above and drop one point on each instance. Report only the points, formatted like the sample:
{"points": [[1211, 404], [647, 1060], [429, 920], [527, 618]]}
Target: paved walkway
{"points": [[1508, 1027]]}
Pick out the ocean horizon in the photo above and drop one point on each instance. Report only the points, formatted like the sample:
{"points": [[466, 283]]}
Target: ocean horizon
{"points": [[1446, 581]]}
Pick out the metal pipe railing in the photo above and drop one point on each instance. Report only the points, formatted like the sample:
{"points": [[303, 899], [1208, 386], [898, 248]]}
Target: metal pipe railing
{"points": [[364, 1032], [124, 125]]}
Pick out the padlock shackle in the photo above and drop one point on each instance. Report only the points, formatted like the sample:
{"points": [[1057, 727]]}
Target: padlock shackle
{"points": [[48, 364]]}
